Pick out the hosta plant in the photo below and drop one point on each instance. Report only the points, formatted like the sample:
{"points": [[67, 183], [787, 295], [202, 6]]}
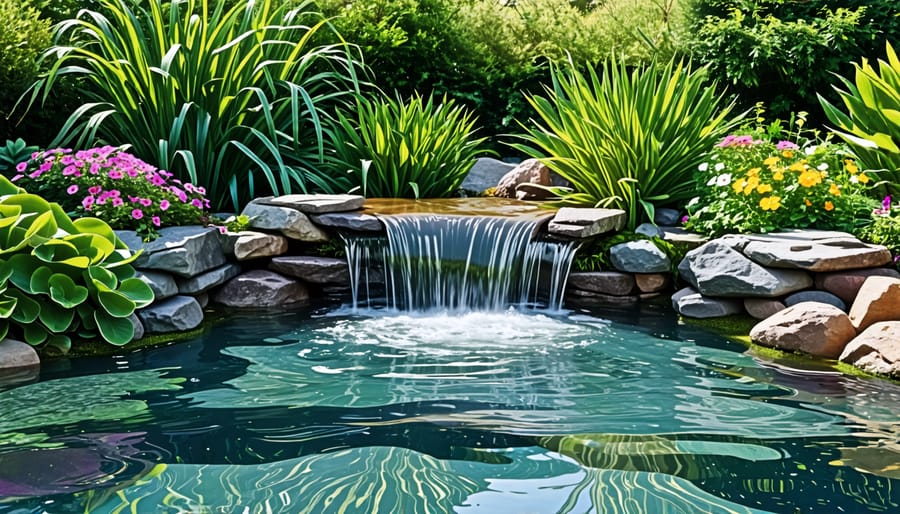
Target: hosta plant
{"points": [[63, 280], [871, 123], [751, 184], [404, 149], [113, 185], [627, 138], [225, 94]]}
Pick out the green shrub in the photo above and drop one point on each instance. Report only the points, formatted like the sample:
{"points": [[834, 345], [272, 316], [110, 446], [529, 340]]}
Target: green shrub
{"points": [[871, 124], [62, 279], [14, 152], [627, 139], [414, 149], [230, 98], [885, 227]]}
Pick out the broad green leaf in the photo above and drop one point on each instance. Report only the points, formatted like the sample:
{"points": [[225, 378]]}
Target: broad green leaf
{"points": [[27, 309], [137, 291], [65, 292], [58, 344], [57, 319], [115, 304], [117, 331]]}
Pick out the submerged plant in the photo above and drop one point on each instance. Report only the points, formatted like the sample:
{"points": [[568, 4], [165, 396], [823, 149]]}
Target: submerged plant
{"points": [[225, 94], [627, 138]]}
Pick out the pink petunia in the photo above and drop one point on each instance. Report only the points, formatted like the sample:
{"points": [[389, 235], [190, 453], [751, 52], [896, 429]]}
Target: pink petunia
{"points": [[786, 145], [87, 202], [197, 203], [156, 180], [67, 160], [17, 177], [95, 168], [137, 214], [117, 202], [114, 174], [69, 170], [114, 193], [72, 189], [146, 202], [164, 205], [155, 220], [46, 165], [22, 166], [95, 190]]}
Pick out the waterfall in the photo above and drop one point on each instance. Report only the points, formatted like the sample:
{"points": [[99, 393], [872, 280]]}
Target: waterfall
{"points": [[457, 263]]}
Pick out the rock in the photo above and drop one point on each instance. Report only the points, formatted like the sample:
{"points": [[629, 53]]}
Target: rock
{"points": [[532, 192], [815, 296], [202, 283], [815, 256], [640, 256], [876, 350], [845, 284], [261, 288], [528, 171], [315, 270], [202, 299], [588, 298], [184, 251], [318, 204], [162, 284], [581, 223], [813, 328], [16, 354], [680, 236], [603, 282], [688, 302], [253, 245], [138, 326], [664, 217], [485, 174], [651, 282], [176, 314], [878, 300], [290, 222], [762, 308], [649, 230], [715, 269], [349, 220], [227, 241]]}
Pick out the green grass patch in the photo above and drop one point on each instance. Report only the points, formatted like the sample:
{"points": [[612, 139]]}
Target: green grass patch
{"points": [[734, 328]]}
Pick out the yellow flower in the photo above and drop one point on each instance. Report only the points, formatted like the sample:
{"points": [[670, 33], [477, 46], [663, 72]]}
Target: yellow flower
{"points": [[829, 206], [799, 166], [770, 203], [738, 185], [752, 172], [763, 188], [771, 161], [809, 178], [787, 154], [850, 166], [750, 185], [808, 203], [863, 178], [834, 190], [778, 175]]}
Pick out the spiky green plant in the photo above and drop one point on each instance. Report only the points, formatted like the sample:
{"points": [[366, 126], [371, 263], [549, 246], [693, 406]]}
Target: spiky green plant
{"points": [[871, 123], [627, 138], [413, 149], [225, 94]]}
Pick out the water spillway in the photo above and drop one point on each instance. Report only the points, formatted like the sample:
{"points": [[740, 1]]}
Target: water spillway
{"points": [[448, 261]]}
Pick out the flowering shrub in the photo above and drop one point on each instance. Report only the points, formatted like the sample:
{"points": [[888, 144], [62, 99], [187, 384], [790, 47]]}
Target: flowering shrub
{"points": [[885, 227], [750, 184], [114, 186]]}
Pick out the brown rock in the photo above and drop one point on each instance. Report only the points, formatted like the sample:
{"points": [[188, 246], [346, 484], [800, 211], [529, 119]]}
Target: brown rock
{"points": [[251, 245], [530, 171], [845, 284], [603, 282], [878, 300], [532, 192], [813, 328], [579, 297], [651, 282], [830, 255], [876, 350], [762, 308]]}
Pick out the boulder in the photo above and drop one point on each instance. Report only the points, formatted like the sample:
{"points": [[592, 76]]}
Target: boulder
{"points": [[825, 256], [16, 354], [602, 282], [648, 230], [530, 171], [138, 326], [815, 296], [876, 350], [652, 282], [206, 281], [762, 308], [664, 217], [715, 269], [184, 251], [314, 270], [688, 302], [261, 288], [640, 256], [532, 192], [485, 174], [582, 222], [845, 284], [588, 298], [318, 204], [176, 314], [289, 221], [253, 245], [813, 328], [162, 284], [878, 300], [349, 220]]}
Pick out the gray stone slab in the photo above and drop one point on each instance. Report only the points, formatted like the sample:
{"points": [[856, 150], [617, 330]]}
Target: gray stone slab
{"points": [[313, 269], [680, 236], [206, 281], [349, 220], [695, 305], [640, 256], [176, 314], [583, 223], [318, 204], [253, 245], [261, 288], [161, 283], [831, 255], [287, 220], [603, 282], [183, 251]]}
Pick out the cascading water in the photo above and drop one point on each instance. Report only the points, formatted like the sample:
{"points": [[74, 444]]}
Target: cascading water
{"points": [[459, 263]]}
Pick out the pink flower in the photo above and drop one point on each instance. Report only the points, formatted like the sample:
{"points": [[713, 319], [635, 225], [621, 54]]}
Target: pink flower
{"points": [[164, 205], [72, 189], [137, 214], [197, 203], [67, 160], [201, 190], [87, 202], [786, 145], [22, 166], [114, 174], [132, 172], [117, 202], [155, 220], [35, 174], [17, 177], [114, 193], [95, 168], [69, 170], [95, 190], [886, 203], [222, 230], [146, 202], [46, 165], [156, 180], [35, 155]]}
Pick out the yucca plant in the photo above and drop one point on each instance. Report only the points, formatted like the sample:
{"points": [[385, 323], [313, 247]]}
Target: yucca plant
{"points": [[871, 123], [627, 139], [225, 94], [414, 149]]}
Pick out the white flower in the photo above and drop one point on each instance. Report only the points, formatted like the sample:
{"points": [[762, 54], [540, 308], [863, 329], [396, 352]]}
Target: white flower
{"points": [[809, 150], [711, 182], [694, 201], [723, 179], [703, 166], [822, 167], [854, 179], [720, 166]]}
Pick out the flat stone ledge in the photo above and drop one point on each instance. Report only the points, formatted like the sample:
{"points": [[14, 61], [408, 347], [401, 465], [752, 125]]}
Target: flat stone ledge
{"points": [[832, 255], [349, 220], [581, 223], [312, 269], [318, 204]]}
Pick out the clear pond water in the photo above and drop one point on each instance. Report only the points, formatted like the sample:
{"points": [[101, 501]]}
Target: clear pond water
{"points": [[504, 412]]}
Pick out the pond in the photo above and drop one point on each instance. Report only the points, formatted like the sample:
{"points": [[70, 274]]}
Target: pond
{"points": [[337, 410]]}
